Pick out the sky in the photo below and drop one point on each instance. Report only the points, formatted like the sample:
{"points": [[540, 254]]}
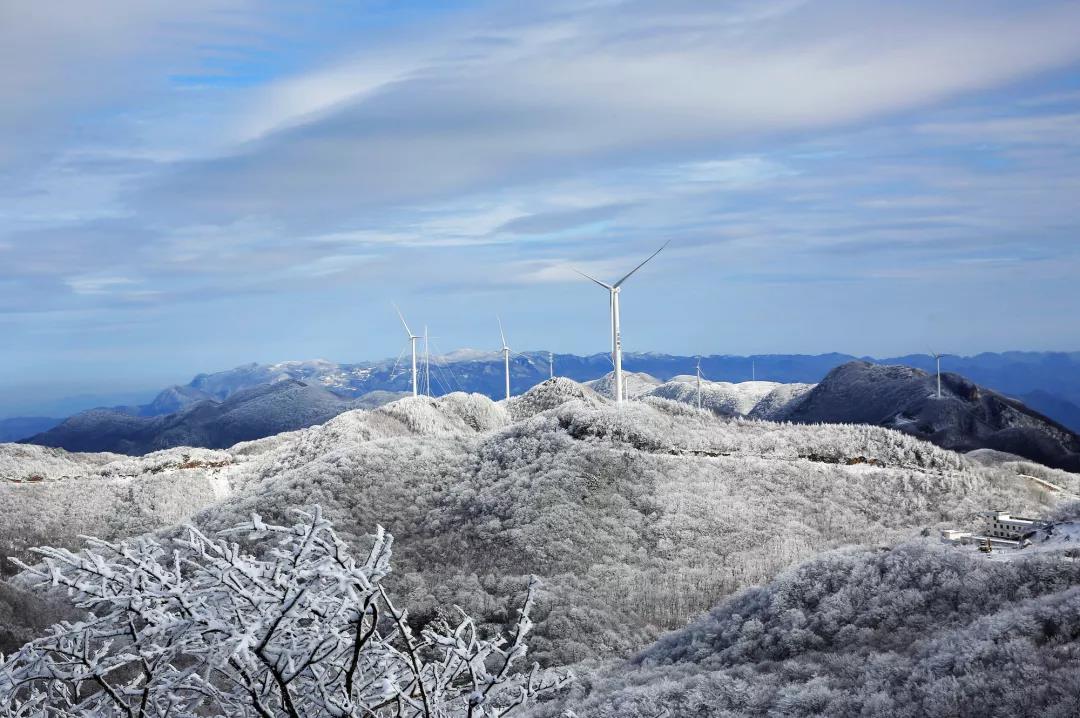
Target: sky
{"points": [[186, 187]]}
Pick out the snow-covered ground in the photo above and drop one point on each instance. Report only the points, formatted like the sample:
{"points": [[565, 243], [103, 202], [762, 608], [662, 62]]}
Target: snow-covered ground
{"points": [[635, 384], [758, 399], [639, 517]]}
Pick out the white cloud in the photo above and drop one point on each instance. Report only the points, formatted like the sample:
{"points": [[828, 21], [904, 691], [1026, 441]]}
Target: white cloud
{"points": [[99, 285], [737, 172], [531, 97], [59, 62], [331, 265], [518, 133], [1059, 129]]}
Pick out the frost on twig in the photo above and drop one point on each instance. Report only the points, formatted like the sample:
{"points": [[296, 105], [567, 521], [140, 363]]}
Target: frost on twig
{"points": [[202, 628]]}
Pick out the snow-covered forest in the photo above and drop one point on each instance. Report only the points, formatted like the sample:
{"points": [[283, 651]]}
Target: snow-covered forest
{"points": [[918, 630], [638, 519]]}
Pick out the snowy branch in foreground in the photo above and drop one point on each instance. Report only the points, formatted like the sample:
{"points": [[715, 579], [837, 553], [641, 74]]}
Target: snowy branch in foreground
{"points": [[206, 629]]}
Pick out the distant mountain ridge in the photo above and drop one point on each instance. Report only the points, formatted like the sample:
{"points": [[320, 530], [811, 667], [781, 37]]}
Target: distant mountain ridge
{"points": [[1010, 373], [965, 418], [1047, 380], [1047, 377], [20, 427], [250, 413]]}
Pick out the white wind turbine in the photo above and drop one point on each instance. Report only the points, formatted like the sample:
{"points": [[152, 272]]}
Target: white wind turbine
{"points": [[616, 337], [506, 356], [412, 340], [937, 358]]}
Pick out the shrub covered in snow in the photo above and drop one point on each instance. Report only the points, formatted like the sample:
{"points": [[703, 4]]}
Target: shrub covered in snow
{"points": [[200, 627]]}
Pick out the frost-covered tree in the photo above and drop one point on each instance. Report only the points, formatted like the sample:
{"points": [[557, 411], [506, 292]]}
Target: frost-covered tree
{"points": [[291, 626]]}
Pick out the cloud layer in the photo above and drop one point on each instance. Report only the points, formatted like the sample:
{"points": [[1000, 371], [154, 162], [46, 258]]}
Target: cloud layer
{"points": [[192, 163]]}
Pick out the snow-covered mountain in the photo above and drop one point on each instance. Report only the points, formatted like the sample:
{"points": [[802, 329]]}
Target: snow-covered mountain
{"points": [[638, 519], [260, 401], [1047, 381], [635, 384], [757, 399], [965, 418], [606, 503]]}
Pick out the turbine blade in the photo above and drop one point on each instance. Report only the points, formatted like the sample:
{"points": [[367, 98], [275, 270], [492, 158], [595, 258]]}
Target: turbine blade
{"points": [[501, 334], [618, 283], [594, 279], [402, 318]]}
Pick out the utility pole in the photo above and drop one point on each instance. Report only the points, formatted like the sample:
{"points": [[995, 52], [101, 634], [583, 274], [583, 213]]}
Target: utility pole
{"points": [[427, 364]]}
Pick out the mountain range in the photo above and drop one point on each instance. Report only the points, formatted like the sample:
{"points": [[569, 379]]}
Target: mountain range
{"points": [[249, 413], [641, 519], [254, 401], [965, 416], [1047, 381]]}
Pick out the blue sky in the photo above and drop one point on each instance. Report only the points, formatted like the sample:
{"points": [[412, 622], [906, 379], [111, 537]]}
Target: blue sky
{"points": [[185, 187]]}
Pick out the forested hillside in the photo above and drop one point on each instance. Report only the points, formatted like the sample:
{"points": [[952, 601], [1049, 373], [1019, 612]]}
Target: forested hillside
{"points": [[964, 417], [637, 518], [919, 631]]}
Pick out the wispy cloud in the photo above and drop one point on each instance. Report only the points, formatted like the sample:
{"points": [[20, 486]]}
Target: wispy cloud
{"points": [[156, 155], [99, 285]]}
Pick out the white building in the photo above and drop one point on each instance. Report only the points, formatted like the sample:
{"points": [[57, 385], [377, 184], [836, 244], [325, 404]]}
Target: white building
{"points": [[1012, 528], [955, 535]]}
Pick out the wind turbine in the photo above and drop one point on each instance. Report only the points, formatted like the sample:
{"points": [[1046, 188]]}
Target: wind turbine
{"points": [[937, 358], [412, 341], [616, 337], [506, 356], [551, 365]]}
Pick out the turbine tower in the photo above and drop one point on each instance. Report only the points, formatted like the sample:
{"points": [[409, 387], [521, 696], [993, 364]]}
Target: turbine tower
{"points": [[937, 358], [616, 337], [551, 365], [699, 382], [412, 341], [506, 356]]}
